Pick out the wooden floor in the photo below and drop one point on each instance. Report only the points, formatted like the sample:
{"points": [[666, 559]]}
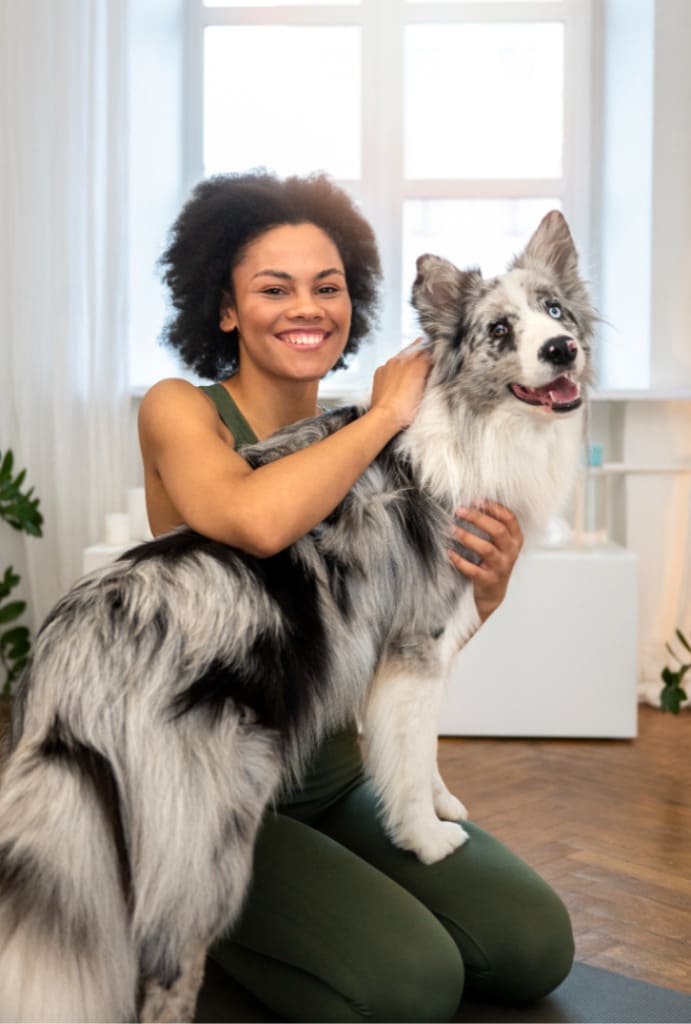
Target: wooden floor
{"points": [[608, 824]]}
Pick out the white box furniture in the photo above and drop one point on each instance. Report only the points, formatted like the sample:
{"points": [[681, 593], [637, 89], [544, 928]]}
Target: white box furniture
{"points": [[559, 657]]}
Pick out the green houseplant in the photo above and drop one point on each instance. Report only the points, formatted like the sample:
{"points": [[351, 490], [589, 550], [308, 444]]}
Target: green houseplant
{"points": [[20, 510], [673, 693]]}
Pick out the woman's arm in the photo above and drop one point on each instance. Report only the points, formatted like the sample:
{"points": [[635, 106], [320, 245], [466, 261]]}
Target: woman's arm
{"points": [[264, 510]]}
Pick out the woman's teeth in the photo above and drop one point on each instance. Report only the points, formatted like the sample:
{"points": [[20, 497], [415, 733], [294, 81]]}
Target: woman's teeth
{"points": [[304, 340]]}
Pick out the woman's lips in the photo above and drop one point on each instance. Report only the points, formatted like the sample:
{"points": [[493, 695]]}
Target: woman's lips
{"points": [[303, 339]]}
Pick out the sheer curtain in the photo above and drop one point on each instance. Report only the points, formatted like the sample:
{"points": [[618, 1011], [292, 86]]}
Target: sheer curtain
{"points": [[62, 281]]}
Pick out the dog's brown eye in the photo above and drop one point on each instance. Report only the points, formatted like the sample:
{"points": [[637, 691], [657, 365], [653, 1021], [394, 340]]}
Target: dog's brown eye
{"points": [[500, 329]]}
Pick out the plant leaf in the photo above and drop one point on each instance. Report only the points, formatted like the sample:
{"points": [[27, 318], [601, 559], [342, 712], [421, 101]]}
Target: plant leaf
{"points": [[672, 652], [12, 611], [20, 510], [17, 669], [8, 582], [671, 698], [11, 636], [682, 639], [15, 643]]}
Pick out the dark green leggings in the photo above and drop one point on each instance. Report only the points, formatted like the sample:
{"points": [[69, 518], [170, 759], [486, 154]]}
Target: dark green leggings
{"points": [[342, 926]]}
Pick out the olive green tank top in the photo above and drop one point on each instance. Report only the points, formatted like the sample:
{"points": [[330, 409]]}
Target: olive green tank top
{"points": [[337, 766], [230, 414]]}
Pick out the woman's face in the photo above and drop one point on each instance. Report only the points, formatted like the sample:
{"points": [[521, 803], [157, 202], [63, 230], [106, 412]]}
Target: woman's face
{"points": [[291, 305]]}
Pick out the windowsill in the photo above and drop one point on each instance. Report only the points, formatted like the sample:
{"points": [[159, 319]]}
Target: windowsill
{"points": [[643, 395]]}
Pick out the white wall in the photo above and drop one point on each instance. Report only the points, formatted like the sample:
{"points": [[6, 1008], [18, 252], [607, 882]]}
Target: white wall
{"points": [[646, 295], [671, 198]]}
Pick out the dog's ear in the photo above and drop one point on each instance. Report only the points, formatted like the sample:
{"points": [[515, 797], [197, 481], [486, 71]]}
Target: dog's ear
{"points": [[552, 247], [438, 294]]}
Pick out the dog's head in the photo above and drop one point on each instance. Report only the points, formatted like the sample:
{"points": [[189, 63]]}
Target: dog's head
{"points": [[524, 337]]}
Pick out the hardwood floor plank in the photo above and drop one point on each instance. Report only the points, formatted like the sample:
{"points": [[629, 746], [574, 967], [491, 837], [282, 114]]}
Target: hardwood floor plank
{"points": [[607, 824]]}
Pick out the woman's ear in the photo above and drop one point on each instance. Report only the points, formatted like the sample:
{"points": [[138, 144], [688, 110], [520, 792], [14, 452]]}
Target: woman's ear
{"points": [[228, 320]]}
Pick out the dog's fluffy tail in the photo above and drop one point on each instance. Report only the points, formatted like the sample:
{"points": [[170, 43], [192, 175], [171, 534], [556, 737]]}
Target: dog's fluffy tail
{"points": [[65, 949]]}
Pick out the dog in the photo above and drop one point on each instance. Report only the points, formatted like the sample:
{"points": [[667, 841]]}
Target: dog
{"points": [[174, 694]]}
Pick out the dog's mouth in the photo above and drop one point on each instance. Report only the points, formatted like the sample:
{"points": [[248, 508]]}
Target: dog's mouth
{"points": [[561, 395]]}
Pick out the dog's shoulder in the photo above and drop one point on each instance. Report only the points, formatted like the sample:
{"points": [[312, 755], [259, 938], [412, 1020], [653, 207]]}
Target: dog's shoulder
{"points": [[299, 435]]}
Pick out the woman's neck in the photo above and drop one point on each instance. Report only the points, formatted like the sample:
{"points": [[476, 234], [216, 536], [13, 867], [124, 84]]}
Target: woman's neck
{"points": [[269, 404]]}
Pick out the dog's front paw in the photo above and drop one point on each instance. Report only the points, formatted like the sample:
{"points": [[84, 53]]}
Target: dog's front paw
{"points": [[448, 807], [436, 841]]}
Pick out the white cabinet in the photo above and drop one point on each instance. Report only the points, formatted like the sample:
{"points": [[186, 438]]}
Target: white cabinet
{"points": [[559, 657]]}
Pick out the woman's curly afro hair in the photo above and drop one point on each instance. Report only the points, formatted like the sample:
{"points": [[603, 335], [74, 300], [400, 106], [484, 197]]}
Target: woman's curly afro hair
{"points": [[227, 212]]}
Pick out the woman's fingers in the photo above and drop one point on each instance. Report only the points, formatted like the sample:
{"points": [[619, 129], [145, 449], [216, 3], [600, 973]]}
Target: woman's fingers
{"points": [[497, 551]]}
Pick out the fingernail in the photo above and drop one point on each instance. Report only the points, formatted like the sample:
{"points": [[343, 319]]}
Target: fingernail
{"points": [[462, 510]]}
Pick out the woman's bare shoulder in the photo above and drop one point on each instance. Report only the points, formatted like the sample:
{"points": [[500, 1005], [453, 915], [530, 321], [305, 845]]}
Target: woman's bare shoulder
{"points": [[175, 401], [173, 389]]}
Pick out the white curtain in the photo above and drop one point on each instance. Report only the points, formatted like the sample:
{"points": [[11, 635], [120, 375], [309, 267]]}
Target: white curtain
{"points": [[63, 408]]}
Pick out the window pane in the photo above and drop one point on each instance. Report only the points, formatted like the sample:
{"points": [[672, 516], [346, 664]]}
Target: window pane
{"points": [[282, 97], [279, 3], [470, 232], [484, 100], [464, 1]]}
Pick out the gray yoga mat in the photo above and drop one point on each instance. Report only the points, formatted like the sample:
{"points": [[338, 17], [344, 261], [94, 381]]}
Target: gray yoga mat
{"points": [[589, 994]]}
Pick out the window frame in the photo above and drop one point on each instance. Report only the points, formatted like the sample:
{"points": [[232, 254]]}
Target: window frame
{"points": [[382, 189]]}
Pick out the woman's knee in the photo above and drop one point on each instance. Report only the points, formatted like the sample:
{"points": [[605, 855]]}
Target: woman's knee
{"points": [[531, 956], [417, 980]]}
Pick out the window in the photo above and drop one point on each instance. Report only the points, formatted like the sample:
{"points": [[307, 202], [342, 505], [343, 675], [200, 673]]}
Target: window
{"points": [[455, 124]]}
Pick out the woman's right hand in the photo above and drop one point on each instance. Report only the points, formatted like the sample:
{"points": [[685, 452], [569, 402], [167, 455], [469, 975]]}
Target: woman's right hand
{"points": [[398, 384]]}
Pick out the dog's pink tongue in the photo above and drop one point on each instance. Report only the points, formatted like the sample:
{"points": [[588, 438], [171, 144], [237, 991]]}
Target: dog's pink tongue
{"points": [[561, 391]]}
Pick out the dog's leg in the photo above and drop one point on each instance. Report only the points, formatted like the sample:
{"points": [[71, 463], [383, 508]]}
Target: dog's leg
{"points": [[463, 625], [177, 1002], [400, 750], [447, 806], [192, 851]]}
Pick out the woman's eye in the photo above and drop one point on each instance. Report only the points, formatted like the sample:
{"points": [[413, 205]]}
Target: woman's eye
{"points": [[554, 310], [274, 290], [500, 329], [328, 289]]}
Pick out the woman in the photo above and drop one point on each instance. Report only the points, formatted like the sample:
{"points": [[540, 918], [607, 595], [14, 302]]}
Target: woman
{"points": [[273, 284]]}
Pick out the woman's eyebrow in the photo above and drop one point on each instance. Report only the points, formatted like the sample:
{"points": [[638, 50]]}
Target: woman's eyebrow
{"points": [[329, 272], [284, 276]]}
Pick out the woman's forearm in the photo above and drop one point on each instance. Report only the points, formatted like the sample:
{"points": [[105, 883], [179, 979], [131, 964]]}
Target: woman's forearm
{"points": [[281, 501]]}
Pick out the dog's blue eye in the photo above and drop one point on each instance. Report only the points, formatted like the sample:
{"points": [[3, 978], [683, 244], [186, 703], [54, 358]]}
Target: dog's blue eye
{"points": [[554, 310]]}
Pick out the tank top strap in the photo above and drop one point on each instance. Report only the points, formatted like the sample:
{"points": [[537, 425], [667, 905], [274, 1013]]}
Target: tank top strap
{"points": [[230, 414]]}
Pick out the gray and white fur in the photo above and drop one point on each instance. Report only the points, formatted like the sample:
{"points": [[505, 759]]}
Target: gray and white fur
{"points": [[174, 694]]}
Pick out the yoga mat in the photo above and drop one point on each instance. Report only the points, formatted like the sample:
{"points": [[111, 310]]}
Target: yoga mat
{"points": [[589, 994]]}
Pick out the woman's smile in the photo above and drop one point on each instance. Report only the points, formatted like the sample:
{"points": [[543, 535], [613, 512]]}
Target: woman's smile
{"points": [[303, 339]]}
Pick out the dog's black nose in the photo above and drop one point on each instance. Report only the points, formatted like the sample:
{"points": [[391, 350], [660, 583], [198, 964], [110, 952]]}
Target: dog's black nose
{"points": [[560, 351]]}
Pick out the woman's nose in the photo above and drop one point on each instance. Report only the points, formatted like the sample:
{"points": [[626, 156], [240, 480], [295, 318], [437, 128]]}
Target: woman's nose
{"points": [[306, 306]]}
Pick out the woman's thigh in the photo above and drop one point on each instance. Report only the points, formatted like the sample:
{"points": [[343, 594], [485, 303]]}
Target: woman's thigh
{"points": [[325, 936], [511, 928]]}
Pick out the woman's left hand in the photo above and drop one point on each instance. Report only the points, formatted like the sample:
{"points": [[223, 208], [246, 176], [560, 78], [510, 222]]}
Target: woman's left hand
{"points": [[498, 554]]}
